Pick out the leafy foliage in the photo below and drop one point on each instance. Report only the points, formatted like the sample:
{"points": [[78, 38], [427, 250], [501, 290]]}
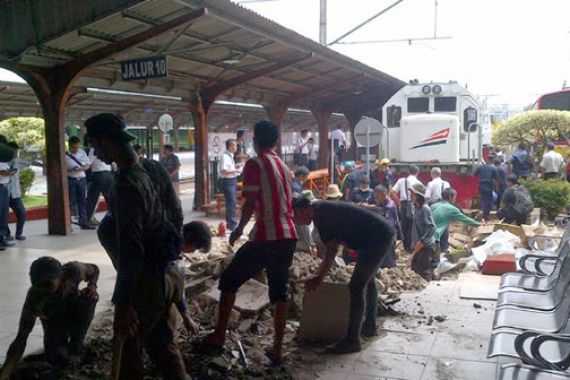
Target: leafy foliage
{"points": [[27, 177], [28, 132], [552, 195], [533, 126]]}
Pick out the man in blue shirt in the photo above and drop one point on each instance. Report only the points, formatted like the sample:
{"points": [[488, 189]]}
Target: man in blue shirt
{"points": [[521, 161], [488, 177], [361, 193]]}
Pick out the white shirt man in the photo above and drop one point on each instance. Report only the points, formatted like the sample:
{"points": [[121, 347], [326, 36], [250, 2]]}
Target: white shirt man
{"points": [[4, 179], [403, 185], [228, 167], [436, 186], [96, 164], [551, 163], [303, 143], [339, 135], [75, 165]]}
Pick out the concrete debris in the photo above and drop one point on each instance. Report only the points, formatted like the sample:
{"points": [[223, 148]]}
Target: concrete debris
{"points": [[398, 280]]}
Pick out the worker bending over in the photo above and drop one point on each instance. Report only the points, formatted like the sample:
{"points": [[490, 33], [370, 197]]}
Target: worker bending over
{"points": [[371, 235]]}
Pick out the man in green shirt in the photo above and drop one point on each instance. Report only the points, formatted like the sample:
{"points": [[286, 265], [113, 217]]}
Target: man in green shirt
{"points": [[444, 213]]}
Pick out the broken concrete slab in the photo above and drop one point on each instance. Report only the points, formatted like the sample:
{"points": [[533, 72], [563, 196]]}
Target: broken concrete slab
{"points": [[325, 313], [251, 297]]}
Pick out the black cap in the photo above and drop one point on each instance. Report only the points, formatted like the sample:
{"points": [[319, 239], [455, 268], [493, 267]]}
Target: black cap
{"points": [[44, 269], [108, 125]]}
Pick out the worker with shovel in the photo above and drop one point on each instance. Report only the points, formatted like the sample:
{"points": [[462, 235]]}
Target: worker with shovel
{"points": [[147, 244], [371, 235]]}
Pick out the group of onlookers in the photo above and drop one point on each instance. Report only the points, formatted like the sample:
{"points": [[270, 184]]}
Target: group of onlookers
{"points": [[419, 214], [89, 177]]}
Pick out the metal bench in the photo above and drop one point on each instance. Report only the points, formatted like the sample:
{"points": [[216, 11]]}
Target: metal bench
{"points": [[524, 372], [537, 281], [537, 300]]}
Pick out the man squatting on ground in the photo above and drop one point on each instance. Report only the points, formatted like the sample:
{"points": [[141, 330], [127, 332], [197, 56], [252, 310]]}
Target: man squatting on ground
{"points": [[267, 188], [366, 232], [65, 311], [143, 236]]}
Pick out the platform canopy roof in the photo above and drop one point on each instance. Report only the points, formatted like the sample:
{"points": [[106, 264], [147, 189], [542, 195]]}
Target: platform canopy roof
{"points": [[18, 99], [213, 46]]}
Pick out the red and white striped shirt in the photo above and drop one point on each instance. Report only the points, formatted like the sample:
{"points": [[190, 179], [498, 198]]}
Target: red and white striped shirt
{"points": [[268, 179]]}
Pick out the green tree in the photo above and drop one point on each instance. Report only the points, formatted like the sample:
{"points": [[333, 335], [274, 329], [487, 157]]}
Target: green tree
{"points": [[28, 132], [534, 126]]}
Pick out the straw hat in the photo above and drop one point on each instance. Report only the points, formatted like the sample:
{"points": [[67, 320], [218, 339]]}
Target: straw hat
{"points": [[384, 161], [333, 192]]}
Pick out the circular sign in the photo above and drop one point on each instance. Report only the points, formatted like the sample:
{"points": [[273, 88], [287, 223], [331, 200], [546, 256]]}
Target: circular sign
{"points": [[368, 132], [165, 123]]}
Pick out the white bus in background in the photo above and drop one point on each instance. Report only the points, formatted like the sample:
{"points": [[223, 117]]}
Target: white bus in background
{"points": [[433, 122]]}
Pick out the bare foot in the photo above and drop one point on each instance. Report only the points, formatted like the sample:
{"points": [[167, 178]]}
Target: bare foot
{"points": [[214, 339]]}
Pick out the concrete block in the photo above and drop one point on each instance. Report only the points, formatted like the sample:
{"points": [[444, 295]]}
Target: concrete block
{"points": [[325, 313], [250, 298]]}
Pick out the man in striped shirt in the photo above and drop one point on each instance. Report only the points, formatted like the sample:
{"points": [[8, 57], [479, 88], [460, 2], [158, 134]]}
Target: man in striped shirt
{"points": [[267, 188]]}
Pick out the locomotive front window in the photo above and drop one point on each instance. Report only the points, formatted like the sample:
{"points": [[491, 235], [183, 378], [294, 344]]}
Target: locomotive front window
{"points": [[445, 104], [418, 104], [394, 116]]}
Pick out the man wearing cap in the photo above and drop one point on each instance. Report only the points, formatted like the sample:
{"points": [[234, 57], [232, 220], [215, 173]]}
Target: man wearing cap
{"points": [[361, 193], [382, 175], [352, 179], [381, 203], [367, 233], [65, 311], [305, 241], [147, 242], [425, 256]]}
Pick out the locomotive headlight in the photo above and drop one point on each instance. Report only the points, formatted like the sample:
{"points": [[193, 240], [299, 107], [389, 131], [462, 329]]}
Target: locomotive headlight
{"points": [[426, 90], [437, 89]]}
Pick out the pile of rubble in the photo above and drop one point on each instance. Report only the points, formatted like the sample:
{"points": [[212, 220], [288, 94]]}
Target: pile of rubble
{"points": [[251, 325]]}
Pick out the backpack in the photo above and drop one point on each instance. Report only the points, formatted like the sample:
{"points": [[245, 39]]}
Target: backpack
{"points": [[524, 204]]}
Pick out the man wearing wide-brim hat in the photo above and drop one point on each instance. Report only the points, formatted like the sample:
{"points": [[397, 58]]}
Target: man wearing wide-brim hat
{"points": [[147, 242], [333, 193], [425, 255]]}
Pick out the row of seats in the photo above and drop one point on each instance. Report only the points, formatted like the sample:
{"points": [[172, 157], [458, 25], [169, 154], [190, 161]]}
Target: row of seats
{"points": [[531, 317]]}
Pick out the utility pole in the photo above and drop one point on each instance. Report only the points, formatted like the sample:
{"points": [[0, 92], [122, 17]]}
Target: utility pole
{"points": [[323, 23]]}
